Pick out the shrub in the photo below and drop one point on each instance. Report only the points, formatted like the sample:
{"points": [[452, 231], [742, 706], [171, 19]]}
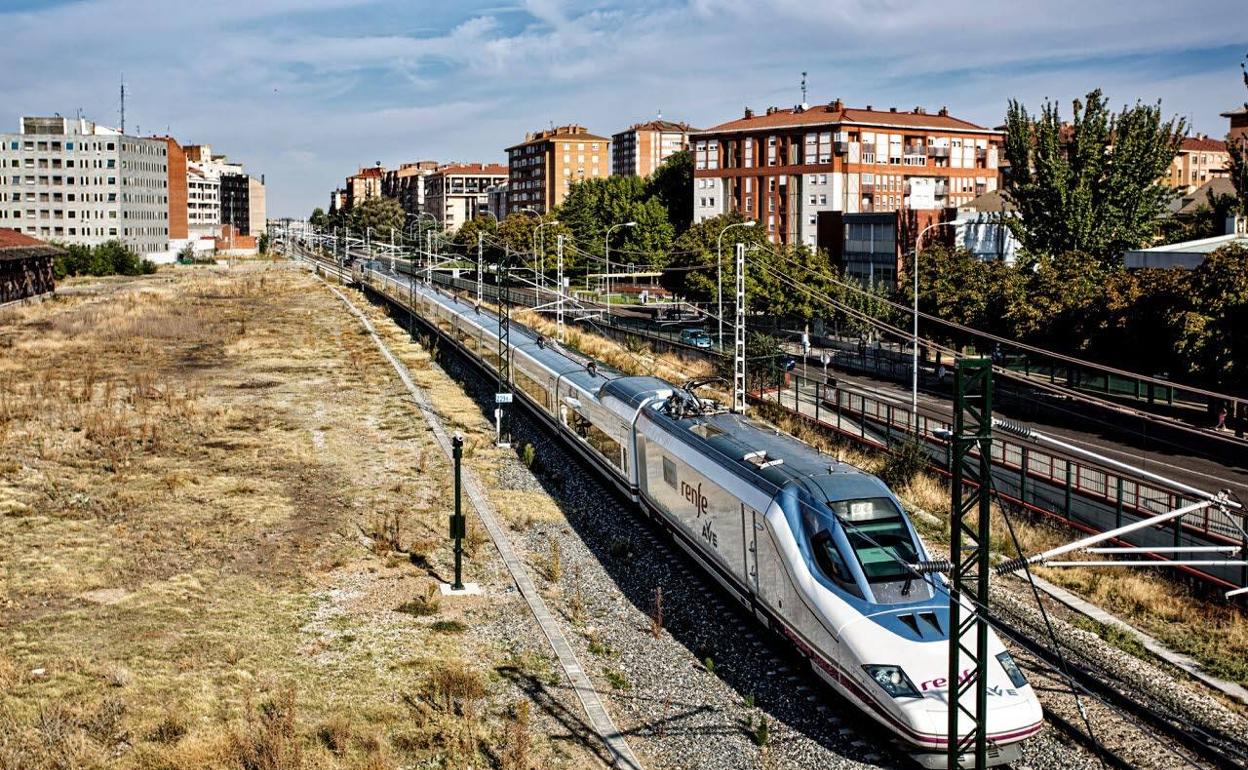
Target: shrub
{"points": [[170, 729], [616, 679], [448, 626], [904, 462], [421, 606]]}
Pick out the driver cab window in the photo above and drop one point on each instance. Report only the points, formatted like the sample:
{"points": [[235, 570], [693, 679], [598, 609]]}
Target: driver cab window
{"points": [[879, 537], [828, 558]]}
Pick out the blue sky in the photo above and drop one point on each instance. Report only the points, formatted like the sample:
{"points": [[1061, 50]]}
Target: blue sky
{"points": [[305, 91]]}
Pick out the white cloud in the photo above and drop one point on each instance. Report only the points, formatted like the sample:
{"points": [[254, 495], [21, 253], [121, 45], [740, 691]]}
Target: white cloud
{"points": [[305, 90]]}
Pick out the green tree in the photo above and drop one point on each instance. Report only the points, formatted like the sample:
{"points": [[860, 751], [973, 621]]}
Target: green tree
{"points": [[595, 205], [1238, 166], [1213, 331], [672, 185], [108, 258], [692, 271], [1090, 186], [380, 215], [318, 218]]}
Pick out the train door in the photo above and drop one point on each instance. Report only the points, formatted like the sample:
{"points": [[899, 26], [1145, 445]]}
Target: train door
{"points": [[753, 521]]}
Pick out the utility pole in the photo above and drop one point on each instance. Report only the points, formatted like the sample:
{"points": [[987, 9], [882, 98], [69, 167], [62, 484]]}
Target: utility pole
{"points": [[738, 368], [503, 395], [559, 288], [480, 260], [458, 529], [969, 552]]}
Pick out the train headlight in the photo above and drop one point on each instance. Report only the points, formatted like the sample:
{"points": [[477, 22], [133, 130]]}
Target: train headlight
{"points": [[893, 680], [1011, 669]]}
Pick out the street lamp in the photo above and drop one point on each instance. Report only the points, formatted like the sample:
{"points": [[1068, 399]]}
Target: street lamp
{"points": [[914, 351], [719, 273], [541, 275], [606, 252]]}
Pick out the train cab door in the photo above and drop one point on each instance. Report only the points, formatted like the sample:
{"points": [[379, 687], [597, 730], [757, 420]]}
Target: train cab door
{"points": [[754, 523]]}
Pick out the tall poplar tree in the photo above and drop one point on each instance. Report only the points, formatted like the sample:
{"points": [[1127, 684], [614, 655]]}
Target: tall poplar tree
{"points": [[1238, 165], [1093, 185]]}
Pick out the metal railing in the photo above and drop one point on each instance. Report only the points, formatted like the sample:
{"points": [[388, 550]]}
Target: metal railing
{"points": [[1074, 491]]}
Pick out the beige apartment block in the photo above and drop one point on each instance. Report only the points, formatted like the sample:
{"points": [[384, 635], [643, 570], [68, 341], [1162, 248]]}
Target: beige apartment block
{"points": [[546, 164]]}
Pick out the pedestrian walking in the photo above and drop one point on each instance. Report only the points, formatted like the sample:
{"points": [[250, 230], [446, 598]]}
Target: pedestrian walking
{"points": [[1221, 418]]}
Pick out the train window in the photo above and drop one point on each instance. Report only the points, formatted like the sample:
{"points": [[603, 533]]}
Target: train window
{"points": [[532, 388], [829, 560], [879, 536], [606, 446], [669, 472]]}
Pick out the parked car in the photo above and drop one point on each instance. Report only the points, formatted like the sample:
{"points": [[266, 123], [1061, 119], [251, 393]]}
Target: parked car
{"points": [[698, 338]]}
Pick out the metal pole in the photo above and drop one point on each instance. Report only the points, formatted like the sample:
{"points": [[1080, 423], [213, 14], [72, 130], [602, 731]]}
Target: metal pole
{"points": [[458, 530], [560, 289], [480, 259], [914, 352], [969, 552], [738, 389]]}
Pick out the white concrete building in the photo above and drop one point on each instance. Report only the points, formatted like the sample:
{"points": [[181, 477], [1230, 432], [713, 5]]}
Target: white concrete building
{"points": [[455, 193], [76, 182], [203, 188]]}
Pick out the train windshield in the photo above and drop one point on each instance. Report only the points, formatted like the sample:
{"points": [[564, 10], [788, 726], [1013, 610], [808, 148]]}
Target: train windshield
{"points": [[879, 536]]}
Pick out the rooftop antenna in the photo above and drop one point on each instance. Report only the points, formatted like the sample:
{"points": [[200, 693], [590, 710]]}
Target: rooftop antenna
{"points": [[660, 116], [123, 102], [803, 87]]}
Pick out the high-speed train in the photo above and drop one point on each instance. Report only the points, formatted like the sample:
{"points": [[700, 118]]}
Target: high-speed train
{"points": [[815, 549]]}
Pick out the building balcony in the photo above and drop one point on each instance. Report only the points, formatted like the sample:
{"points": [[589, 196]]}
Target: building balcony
{"points": [[916, 160], [867, 188], [868, 157], [981, 153], [840, 146], [938, 152]]}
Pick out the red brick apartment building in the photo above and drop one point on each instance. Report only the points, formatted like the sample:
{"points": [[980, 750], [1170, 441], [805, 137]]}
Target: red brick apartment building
{"points": [[784, 167]]}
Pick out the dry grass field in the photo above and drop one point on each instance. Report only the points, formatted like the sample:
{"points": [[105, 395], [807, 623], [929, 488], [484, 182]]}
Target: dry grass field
{"points": [[222, 526]]}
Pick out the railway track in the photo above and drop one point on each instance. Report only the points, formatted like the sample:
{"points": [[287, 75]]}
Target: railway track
{"points": [[1135, 722], [1117, 739]]}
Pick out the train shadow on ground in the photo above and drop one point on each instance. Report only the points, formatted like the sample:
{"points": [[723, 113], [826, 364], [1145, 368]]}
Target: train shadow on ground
{"points": [[639, 557]]}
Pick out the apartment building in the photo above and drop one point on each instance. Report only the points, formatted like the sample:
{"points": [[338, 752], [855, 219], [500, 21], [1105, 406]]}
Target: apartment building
{"points": [[364, 184], [641, 148], [406, 184], [543, 167], [77, 182], [204, 171], [1239, 124], [783, 167], [337, 200], [177, 188], [257, 208], [1198, 160], [203, 202], [455, 193], [496, 201]]}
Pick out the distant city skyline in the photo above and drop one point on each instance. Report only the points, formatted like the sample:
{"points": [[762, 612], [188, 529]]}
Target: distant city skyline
{"points": [[307, 91]]}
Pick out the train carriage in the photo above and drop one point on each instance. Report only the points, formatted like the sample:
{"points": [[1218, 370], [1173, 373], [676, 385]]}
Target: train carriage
{"points": [[818, 550]]}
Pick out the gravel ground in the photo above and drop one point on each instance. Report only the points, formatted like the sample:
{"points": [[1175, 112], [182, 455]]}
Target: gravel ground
{"points": [[1148, 682], [677, 711]]}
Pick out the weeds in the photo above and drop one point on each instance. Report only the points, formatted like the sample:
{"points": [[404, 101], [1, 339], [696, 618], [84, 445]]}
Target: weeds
{"points": [[656, 613], [422, 605], [528, 455], [553, 567], [616, 679], [448, 626], [517, 743]]}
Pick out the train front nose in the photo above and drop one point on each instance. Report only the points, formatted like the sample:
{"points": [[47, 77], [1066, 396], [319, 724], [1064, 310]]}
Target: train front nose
{"points": [[1013, 716]]}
